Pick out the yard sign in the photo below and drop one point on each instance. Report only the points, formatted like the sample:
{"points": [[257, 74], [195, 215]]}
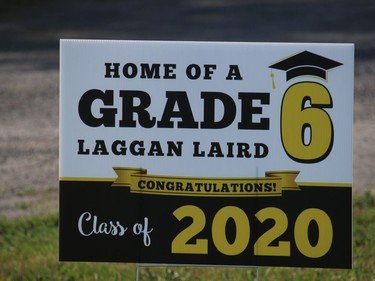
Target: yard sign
{"points": [[206, 153]]}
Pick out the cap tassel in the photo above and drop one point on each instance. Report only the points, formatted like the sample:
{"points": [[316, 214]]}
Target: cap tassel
{"points": [[273, 80]]}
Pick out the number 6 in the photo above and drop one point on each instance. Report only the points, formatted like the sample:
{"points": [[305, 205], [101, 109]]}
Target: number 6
{"points": [[306, 128]]}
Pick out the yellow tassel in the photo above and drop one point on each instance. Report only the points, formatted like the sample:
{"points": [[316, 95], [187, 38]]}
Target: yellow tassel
{"points": [[273, 80]]}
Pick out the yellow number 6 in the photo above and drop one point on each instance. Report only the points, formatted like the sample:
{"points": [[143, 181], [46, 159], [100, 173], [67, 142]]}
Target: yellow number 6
{"points": [[306, 128]]}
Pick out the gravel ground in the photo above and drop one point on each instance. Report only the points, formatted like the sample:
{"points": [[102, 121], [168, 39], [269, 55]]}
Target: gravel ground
{"points": [[29, 74]]}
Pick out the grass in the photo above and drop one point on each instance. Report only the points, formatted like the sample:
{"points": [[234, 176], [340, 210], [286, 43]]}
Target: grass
{"points": [[29, 251]]}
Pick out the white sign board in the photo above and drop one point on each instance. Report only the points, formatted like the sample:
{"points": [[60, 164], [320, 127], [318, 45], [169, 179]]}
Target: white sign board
{"points": [[210, 128]]}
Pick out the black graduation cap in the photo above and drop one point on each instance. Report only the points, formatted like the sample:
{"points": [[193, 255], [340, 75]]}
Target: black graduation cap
{"points": [[305, 63]]}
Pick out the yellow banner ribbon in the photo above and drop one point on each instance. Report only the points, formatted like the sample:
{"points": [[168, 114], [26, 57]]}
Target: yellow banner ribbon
{"points": [[140, 182]]}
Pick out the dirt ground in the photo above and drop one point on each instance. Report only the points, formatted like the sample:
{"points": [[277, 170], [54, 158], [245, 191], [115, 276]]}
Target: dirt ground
{"points": [[29, 69]]}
